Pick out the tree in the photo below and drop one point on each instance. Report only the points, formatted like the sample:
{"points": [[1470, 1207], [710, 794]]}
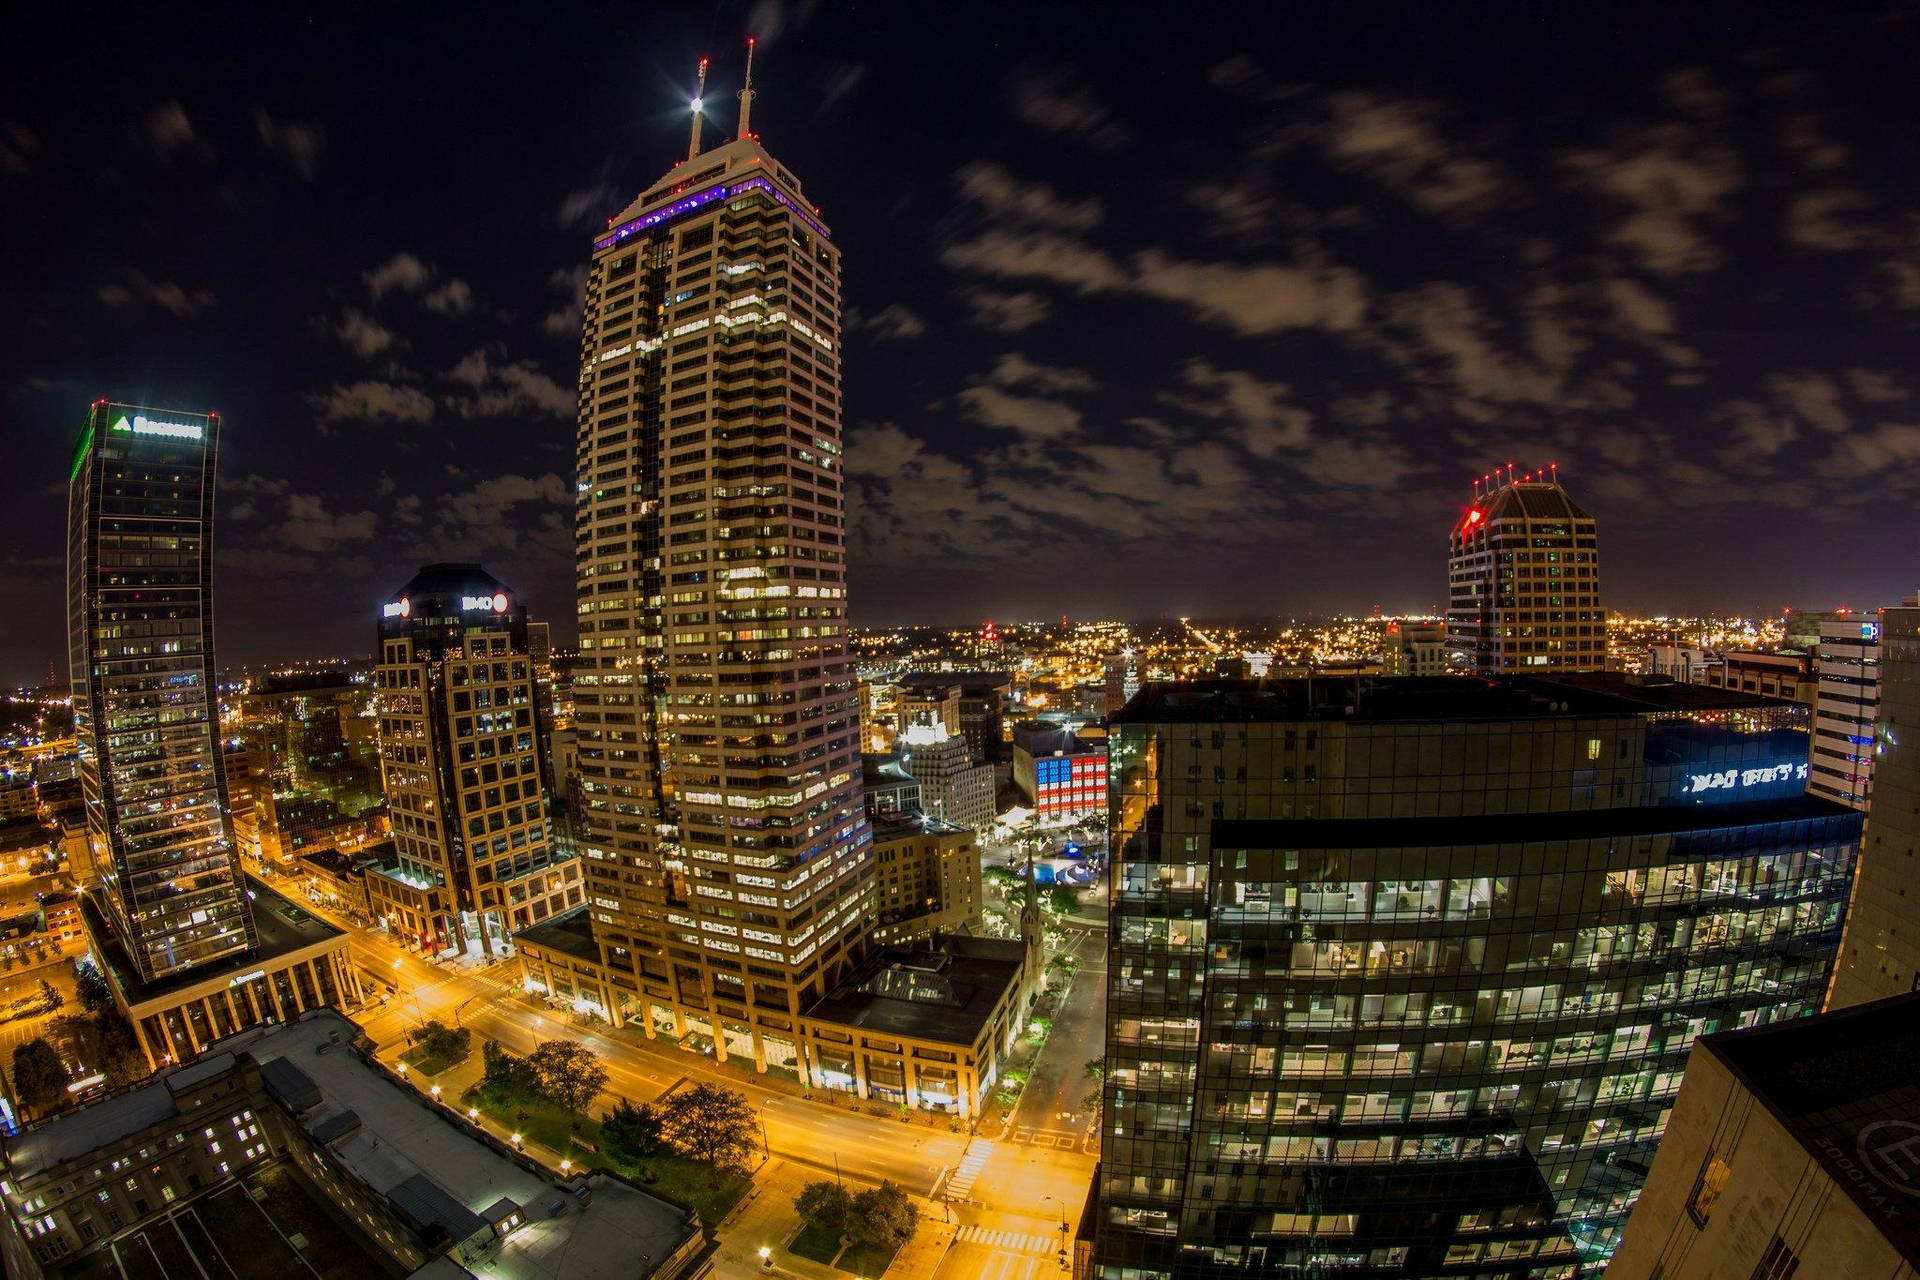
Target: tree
{"points": [[632, 1131], [39, 1077], [883, 1217], [449, 1044], [96, 994], [1062, 900], [1095, 1102], [567, 1074], [711, 1122], [504, 1075], [120, 1055], [825, 1204], [49, 997]]}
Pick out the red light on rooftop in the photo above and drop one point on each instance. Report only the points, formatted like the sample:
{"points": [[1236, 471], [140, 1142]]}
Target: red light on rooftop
{"points": [[1475, 516]]}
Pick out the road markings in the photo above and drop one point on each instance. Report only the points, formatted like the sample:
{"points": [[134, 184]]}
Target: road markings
{"points": [[1021, 1241], [960, 1185]]}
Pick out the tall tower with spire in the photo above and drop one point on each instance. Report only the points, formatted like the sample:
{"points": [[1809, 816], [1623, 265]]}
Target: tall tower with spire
{"points": [[1524, 578], [727, 849]]}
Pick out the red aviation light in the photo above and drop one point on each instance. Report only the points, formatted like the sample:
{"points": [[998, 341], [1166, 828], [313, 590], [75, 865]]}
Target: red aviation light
{"points": [[1474, 516]]}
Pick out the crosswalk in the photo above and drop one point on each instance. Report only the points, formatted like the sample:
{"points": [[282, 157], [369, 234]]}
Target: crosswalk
{"points": [[960, 1185], [1017, 1240]]}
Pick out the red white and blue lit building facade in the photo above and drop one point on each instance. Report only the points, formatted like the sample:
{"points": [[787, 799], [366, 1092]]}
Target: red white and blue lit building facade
{"points": [[1066, 786]]}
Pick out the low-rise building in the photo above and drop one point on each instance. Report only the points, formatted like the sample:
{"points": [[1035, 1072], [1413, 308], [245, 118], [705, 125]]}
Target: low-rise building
{"points": [[338, 881], [421, 1192], [1790, 1151], [301, 962]]}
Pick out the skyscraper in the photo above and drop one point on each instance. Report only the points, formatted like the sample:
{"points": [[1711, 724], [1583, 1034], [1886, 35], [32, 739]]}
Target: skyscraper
{"points": [[463, 754], [146, 713], [1847, 660], [1403, 974], [1880, 955], [1524, 580], [715, 701]]}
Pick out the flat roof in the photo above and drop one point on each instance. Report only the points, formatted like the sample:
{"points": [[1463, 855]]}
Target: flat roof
{"points": [[889, 827], [1846, 1086], [570, 932], [973, 975], [402, 1144], [1417, 699], [281, 925]]}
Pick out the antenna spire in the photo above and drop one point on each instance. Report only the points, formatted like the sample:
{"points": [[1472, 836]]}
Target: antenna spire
{"points": [[699, 95], [746, 92]]}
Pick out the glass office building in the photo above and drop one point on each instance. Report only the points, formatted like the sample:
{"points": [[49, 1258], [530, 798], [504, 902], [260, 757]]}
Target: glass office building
{"points": [[1403, 974], [146, 716]]}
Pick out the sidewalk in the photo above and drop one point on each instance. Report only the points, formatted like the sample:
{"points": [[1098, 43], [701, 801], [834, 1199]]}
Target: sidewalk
{"points": [[766, 1219]]}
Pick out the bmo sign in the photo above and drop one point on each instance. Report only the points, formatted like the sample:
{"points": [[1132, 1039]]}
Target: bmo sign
{"points": [[495, 603], [1741, 779]]}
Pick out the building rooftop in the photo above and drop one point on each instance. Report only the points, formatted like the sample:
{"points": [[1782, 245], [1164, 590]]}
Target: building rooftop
{"points": [[1846, 1085], [282, 926], [890, 826], [1416, 699], [945, 992], [570, 932]]}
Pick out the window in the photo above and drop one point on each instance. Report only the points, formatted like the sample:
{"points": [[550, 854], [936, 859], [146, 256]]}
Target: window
{"points": [[1777, 1263], [1714, 1173]]}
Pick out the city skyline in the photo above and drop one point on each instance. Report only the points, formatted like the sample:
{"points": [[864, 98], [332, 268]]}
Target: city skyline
{"points": [[1686, 283]]}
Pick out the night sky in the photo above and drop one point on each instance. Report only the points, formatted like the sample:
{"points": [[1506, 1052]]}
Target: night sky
{"points": [[1189, 311]]}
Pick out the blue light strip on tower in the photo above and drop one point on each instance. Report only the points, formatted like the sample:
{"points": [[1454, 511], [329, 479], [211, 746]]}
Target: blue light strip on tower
{"points": [[698, 201]]}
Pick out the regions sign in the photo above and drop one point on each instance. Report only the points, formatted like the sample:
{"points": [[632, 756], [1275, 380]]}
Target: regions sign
{"points": [[140, 425]]}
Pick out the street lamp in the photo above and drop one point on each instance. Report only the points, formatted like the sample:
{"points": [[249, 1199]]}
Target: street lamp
{"points": [[566, 1165], [766, 1258], [473, 1114], [515, 1139], [435, 1091]]}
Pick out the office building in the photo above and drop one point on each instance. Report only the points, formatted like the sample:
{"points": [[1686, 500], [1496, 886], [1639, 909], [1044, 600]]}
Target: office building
{"points": [[463, 755], [1059, 770], [140, 629], [1416, 649], [982, 695], [299, 1156], [1524, 580], [728, 855], [1848, 659], [1790, 1153], [1403, 974], [953, 788], [930, 705], [926, 878], [1880, 956]]}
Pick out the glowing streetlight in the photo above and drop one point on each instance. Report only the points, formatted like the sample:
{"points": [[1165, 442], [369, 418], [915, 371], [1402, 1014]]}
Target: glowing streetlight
{"points": [[403, 1068], [565, 1164], [473, 1113], [766, 1258], [435, 1091], [515, 1139]]}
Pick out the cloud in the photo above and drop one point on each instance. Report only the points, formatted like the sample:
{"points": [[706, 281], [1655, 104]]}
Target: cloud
{"points": [[1874, 452], [1669, 184], [1876, 388], [1396, 142], [1042, 255], [1234, 211], [1820, 220], [839, 82], [373, 402], [1007, 312], [564, 321], [1256, 298], [299, 143], [1814, 397], [502, 389], [17, 147], [1803, 137], [998, 192], [403, 272], [168, 128], [139, 289], [360, 331], [1637, 307], [894, 324], [310, 527], [1015, 370], [1054, 106], [587, 207], [453, 298], [1258, 412]]}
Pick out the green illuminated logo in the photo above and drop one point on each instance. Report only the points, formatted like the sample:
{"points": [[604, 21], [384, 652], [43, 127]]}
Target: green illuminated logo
{"points": [[123, 424]]}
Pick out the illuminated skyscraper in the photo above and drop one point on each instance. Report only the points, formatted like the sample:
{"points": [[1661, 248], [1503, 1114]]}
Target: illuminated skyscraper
{"points": [[140, 641], [1524, 580], [463, 754], [726, 844]]}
